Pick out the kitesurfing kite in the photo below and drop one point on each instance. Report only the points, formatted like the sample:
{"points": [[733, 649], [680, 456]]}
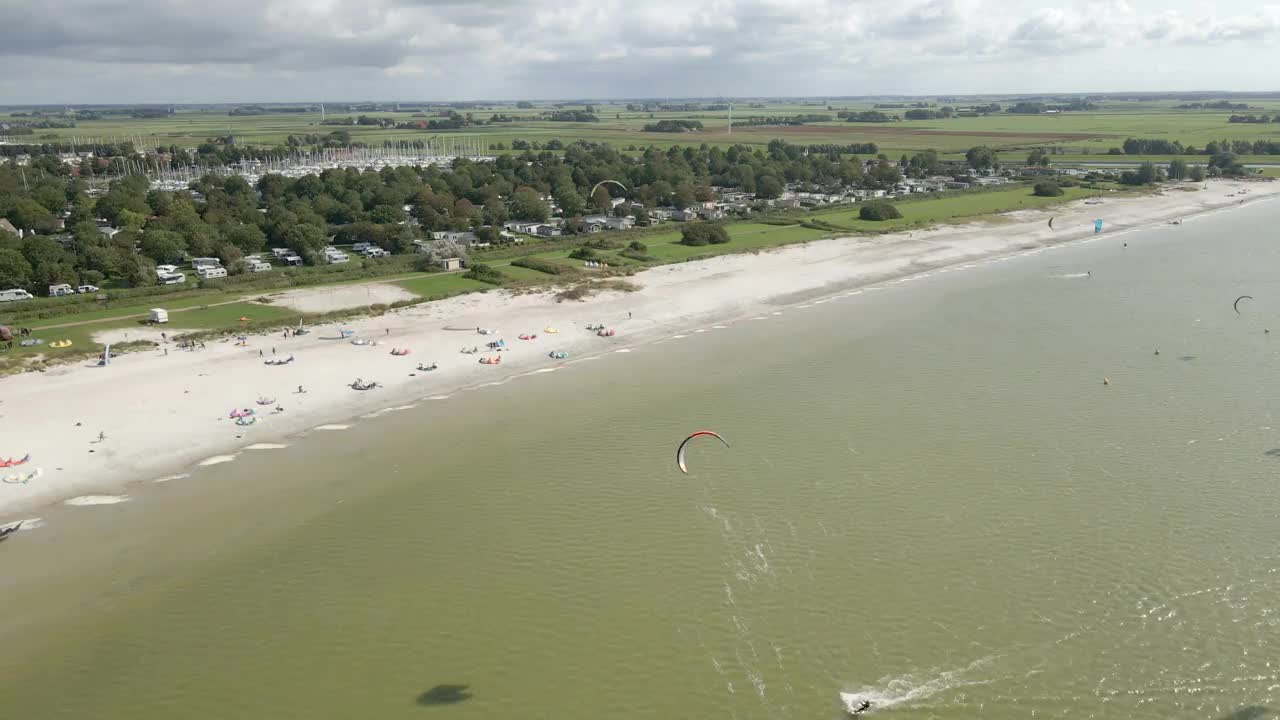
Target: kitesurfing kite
{"points": [[1236, 305], [680, 450], [1050, 223], [1097, 226], [14, 463]]}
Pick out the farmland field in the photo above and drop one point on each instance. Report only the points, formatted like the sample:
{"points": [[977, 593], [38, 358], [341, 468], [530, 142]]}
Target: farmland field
{"points": [[1074, 136]]}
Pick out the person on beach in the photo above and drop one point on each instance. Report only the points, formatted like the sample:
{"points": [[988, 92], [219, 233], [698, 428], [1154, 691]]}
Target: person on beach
{"points": [[260, 354], [300, 390], [101, 436], [273, 351]]}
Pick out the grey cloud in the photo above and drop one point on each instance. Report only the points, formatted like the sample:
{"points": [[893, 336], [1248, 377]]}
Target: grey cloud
{"points": [[548, 48]]}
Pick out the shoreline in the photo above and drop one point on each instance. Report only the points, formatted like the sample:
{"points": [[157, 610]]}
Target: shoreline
{"points": [[165, 414]]}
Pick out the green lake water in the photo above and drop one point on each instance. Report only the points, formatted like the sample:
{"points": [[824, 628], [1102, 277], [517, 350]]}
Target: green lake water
{"points": [[931, 500]]}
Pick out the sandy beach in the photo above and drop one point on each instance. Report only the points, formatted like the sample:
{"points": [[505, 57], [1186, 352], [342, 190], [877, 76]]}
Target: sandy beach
{"points": [[160, 414]]}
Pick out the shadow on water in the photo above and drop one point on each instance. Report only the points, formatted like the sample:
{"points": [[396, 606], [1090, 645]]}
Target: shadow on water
{"points": [[451, 694], [1273, 452], [1249, 712]]}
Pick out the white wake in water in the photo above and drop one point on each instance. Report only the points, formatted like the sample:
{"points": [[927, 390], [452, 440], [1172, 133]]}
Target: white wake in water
{"points": [[911, 688]]}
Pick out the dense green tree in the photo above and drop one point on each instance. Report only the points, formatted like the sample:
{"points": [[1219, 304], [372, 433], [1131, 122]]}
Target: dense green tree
{"points": [[982, 158], [163, 246], [1047, 189], [697, 233], [878, 210], [1196, 173], [527, 205], [27, 214], [15, 271], [1177, 169], [768, 187]]}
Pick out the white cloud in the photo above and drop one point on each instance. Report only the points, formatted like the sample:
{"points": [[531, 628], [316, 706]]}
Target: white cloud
{"points": [[105, 50]]}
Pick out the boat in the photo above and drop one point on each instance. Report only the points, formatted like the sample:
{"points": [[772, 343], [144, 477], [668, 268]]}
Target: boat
{"points": [[550, 331], [60, 344], [491, 360], [400, 352], [558, 354], [427, 368], [470, 350], [246, 420], [606, 333], [263, 400], [15, 463], [527, 336]]}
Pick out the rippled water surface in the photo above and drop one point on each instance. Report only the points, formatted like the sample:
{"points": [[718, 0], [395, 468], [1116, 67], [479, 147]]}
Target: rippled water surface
{"points": [[931, 500]]}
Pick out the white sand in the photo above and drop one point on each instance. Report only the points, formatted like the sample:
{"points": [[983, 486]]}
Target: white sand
{"points": [[341, 297], [163, 414]]}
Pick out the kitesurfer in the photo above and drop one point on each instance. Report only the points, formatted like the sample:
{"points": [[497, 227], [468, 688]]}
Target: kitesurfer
{"points": [[300, 390], [864, 706]]}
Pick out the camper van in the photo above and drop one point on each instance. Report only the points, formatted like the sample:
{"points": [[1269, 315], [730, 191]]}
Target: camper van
{"points": [[293, 260], [360, 247], [171, 278], [12, 295], [158, 315], [166, 269], [60, 290], [335, 256], [374, 252], [209, 273], [257, 266], [281, 253], [205, 262], [87, 289]]}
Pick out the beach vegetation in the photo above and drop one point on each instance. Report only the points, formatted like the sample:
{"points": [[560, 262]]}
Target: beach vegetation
{"points": [[1047, 189], [696, 234], [878, 210], [485, 274]]}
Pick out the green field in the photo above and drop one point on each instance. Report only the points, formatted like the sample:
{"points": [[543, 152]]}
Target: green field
{"points": [[931, 209], [1079, 136], [437, 287]]}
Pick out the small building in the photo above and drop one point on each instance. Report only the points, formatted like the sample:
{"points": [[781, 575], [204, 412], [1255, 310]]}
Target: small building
{"points": [[451, 263], [620, 223], [548, 231]]}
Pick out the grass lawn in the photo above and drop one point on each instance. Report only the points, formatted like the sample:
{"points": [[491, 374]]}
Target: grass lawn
{"points": [[743, 236], [438, 287], [523, 274], [935, 209]]}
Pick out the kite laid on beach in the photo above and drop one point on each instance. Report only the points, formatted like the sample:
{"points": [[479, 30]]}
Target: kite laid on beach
{"points": [[1050, 223], [680, 450], [14, 463], [1236, 305]]}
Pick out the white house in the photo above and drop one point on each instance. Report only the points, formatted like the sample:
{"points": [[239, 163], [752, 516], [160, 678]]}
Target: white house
{"points": [[620, 223]]}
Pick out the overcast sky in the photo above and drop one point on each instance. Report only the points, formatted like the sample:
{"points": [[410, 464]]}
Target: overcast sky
{"points": [[95, 51]]}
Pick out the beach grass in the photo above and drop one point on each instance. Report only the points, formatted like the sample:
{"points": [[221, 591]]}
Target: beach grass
{"points": [[937, 208], [440, 286]]}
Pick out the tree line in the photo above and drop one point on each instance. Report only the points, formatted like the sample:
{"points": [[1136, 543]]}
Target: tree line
{"points": [[228, 218]]}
